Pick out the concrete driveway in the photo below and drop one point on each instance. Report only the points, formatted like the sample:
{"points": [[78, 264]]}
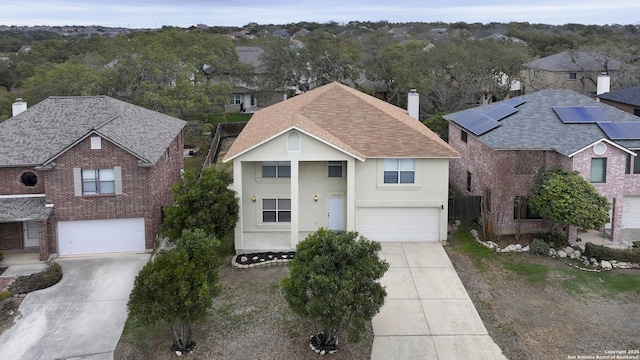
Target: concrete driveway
{"points": [[427, 313], [80, 317]]}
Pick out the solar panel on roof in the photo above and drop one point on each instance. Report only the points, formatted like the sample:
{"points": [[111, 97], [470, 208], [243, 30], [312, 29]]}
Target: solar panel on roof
{"points": [[498, 111], [514, 102], [580, 114], [476, 122], [621, 130]]}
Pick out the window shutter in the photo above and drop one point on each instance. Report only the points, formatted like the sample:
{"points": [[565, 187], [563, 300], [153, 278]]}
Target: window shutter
{"points": [[77, 182], [117, 171]]}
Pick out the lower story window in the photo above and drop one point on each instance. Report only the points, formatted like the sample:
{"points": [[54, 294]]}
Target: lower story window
{"points": [[100, 181], [276, 210], [521, 209]]}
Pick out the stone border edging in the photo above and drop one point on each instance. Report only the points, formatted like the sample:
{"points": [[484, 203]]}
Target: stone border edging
{"points": [[256, 265]]}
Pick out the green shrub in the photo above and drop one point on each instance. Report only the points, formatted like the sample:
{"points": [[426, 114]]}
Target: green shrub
{"points": [[600, 252], [636, 245], [44, 279], [597, 252], [6, 305], [5, 295], [539, 247]]}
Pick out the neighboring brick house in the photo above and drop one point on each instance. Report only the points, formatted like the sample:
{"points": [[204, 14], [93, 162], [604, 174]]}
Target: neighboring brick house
{"points": [[504, 145], [82, 175], [626, 99], [570, 70]]}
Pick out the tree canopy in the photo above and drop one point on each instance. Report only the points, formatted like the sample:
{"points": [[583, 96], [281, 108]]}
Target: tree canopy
{"points": [[177, 286], [564, 197], [202, 203], [334, 282]]}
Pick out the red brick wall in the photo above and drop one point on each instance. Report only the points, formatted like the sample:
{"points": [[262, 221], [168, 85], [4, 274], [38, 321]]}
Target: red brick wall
{"points": [[142, 188], [11, 236], [615, 104], [11, 184]]}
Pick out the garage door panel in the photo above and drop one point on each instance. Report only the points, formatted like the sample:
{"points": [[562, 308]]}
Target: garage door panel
{"points": [[399, 224], [101, 236], [631, 212]]}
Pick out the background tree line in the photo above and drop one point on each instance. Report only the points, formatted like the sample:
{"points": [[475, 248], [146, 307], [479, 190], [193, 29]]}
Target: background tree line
{"points": [[189, 73]]}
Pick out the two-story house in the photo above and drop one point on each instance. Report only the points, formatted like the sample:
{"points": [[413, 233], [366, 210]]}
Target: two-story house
{"points": [[504, 145], [337, 158], [84, 175], [570, 70], [625, 99]]}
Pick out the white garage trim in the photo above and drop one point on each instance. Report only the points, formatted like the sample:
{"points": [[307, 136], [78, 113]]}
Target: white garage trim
{"points": [[101, 236], [399, 223], [631, 212]]}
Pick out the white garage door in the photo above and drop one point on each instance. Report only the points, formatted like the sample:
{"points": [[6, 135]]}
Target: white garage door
{"points": [[101, 236], [631, 212], [399, 224]]}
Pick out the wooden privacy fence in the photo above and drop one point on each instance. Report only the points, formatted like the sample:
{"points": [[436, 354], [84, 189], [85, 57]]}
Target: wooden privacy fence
{"points": [[465, 208]]}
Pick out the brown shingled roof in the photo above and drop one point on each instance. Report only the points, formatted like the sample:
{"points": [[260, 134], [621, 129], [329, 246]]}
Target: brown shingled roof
{"points": [[348, 119]]}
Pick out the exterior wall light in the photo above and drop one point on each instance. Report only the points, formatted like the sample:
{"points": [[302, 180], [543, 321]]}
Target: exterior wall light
{"points": [[315, 197], [253, 198]]}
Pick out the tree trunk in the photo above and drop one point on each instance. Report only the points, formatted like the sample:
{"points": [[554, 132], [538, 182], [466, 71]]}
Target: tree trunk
{"points": [[182, 335]]}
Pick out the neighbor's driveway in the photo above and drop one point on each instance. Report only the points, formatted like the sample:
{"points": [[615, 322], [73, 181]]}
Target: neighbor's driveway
{"points": [[82, 316]]}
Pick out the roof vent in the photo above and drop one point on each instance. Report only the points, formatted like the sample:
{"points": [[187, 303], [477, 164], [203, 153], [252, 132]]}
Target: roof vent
{"points": [[18, 106]]}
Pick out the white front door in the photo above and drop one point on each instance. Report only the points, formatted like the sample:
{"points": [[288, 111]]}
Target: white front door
{"points": [[31, 237], [335, 214]]}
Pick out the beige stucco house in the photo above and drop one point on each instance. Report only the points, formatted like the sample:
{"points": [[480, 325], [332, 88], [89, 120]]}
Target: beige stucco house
{"points": [[337, 158]]}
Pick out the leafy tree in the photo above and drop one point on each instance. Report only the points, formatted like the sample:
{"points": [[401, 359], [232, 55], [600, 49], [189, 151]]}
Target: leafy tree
{"points": [[66, 79], [205, 203], [7, 98], [330, 58], [564, 197], [334, 282], [177, 287]]}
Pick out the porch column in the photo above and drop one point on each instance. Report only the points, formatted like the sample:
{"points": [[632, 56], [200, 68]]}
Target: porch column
{"points": [[294, 202], [351, 194], [237, 186]]}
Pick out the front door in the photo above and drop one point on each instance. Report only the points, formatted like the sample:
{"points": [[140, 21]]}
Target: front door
{"points": [[31, 237], [335, 214]]}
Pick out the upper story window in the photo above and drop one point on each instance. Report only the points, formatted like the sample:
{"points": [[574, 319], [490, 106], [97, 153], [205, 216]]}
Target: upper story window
{"points": [[276, 169], [572, 76], [399, 171], [276, 210], [29, 178], [463, 136], [632, 166], [334, 169], [598, 170], [102, 181], [96, 143]]}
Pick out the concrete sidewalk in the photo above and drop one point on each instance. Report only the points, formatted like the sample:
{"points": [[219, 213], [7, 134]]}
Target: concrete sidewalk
{"points": [[427, 313]]}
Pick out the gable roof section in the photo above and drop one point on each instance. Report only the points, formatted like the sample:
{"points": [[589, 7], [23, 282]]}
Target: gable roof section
{"points": [[629, 96], [575, 61], [350, 120], [536, 126], [46, 130]]}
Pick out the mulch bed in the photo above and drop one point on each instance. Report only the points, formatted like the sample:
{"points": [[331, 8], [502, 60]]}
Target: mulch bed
{"points": [[259, 259]]}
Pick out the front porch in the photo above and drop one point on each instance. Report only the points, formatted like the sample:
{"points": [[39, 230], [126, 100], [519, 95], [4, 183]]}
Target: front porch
{"points": [[23, 226]]}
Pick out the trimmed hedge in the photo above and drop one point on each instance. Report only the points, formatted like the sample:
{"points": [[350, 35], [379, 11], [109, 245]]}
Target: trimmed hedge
{"points": [[600, 252], [44, 279]]}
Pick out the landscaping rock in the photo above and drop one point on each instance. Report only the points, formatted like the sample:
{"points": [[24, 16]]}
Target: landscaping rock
{"points": [[518, 247], [577, 254], [562, 254], [526, 248], [568, 250], [593, 260], [606, 265], [553, 252]]}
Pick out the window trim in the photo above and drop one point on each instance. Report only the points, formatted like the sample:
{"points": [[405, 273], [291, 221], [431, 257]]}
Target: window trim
{"points": [[79, 188], [335, 164], [236, 99], [604, 171], [632, 164], [277, 210], [388, 168], [279, 167]]}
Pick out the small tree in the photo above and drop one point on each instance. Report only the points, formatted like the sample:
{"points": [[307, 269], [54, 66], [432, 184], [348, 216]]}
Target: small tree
{"points": [[564, 197], [204, 203], [334, 283], [178, 286]]}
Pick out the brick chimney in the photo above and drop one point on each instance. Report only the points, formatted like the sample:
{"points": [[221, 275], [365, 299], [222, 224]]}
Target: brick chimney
{"points": [[18, 106]]}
